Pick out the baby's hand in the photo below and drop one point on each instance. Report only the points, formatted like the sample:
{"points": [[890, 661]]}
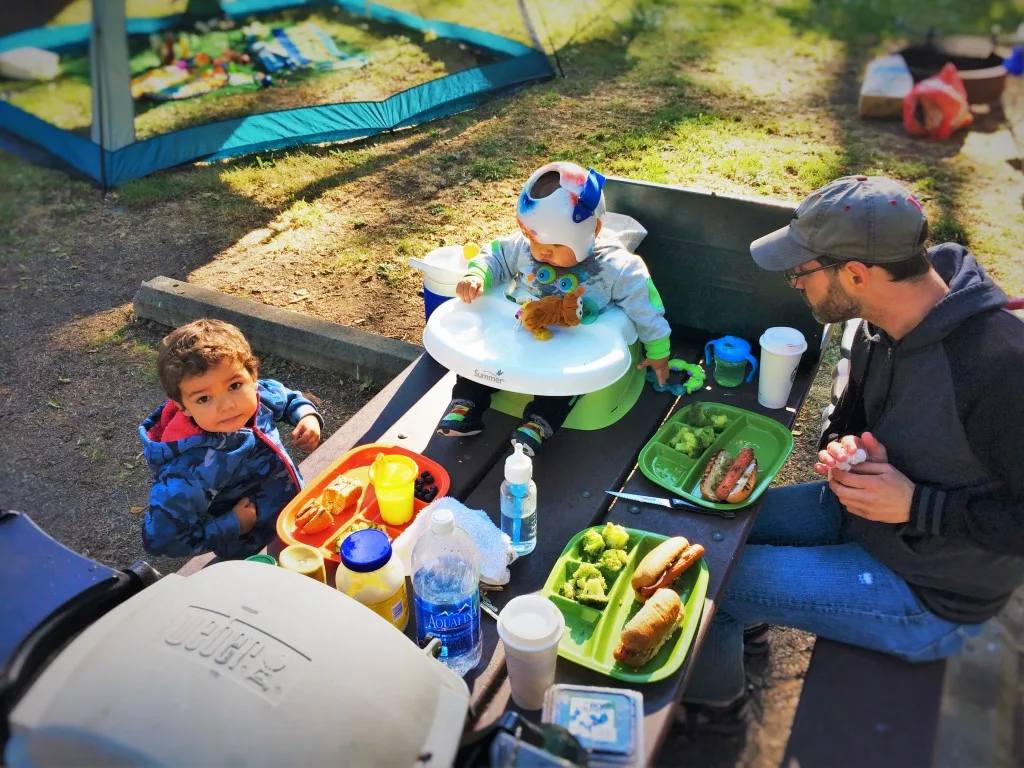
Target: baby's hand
{"points": [[306, 434], [245, 511], [469, 288], [660, 368]]}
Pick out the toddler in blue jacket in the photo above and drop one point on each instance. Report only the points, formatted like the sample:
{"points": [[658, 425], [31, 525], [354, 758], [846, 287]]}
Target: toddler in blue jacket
{"points": [[220, 472]]}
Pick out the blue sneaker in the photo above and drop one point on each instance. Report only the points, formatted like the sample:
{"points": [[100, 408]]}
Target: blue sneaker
{"points": [[531, 434], [463, 419]]}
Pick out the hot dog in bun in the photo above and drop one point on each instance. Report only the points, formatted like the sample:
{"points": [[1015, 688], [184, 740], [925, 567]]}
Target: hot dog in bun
{"points": [[727, 479], [663, 565], [649, 629]]}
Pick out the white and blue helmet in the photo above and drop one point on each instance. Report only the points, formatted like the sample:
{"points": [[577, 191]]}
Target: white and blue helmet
{"points": [[569, 215]]}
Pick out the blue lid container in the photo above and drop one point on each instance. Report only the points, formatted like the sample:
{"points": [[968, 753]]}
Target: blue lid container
{"points": [[366, 550]]}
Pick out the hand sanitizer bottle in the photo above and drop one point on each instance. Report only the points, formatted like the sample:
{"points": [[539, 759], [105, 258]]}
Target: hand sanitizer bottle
{"points": [[519, 502]]}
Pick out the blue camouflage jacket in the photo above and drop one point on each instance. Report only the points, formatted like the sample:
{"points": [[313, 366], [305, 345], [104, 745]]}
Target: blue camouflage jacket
{"points": [[199, 476]]}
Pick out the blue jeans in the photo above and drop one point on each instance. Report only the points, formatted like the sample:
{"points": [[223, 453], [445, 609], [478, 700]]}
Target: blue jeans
{"points": [[796, 571]]}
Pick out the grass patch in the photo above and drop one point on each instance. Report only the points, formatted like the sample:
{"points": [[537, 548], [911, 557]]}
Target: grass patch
{"points": [[948, 228], [107, 339], [736, 96], [495, 169], [398, 58]]}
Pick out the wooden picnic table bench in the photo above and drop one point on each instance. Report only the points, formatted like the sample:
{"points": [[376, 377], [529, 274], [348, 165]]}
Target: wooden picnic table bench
{"points": [[697, 251]]}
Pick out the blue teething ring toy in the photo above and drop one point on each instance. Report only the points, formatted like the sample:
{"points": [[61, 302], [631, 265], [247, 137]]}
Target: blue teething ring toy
{"points": [[694, 378]]}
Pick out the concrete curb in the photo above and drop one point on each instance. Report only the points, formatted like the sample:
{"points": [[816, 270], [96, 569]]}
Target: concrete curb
{"points": [[290, 335]]}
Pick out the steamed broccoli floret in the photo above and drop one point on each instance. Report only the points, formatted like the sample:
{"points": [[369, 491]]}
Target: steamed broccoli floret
{"points": [[719, 422], [592, 544], [705, 437], [587, 572], [615, 536], [593, 593], [686, 442], [697, 417], [568, 589], [613, 559]]}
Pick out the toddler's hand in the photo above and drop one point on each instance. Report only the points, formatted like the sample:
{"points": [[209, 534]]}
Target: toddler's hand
{"points": [[469, 288], [306, 434], [660, 368], [245, 511]]}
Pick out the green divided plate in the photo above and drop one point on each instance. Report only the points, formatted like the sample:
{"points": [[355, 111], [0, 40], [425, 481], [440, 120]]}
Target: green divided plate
{"points": [[591, 634], [674, 470]]}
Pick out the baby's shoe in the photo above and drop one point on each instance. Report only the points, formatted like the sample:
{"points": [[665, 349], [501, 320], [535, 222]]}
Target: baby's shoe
{"points": [[463, 419], [531, 434]]}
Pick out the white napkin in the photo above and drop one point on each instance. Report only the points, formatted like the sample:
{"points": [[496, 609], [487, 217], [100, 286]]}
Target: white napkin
{"points": [[493, 547]]}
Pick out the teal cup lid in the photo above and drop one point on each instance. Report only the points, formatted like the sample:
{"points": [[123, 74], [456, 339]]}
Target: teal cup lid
{"points": [[730, 349], [268, 559]]}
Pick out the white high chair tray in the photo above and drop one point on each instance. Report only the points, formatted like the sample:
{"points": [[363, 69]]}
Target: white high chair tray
{"points": [[483, 341]]}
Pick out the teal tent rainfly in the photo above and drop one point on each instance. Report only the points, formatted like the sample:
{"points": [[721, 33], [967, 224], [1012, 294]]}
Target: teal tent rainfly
{"points": [[110, 154]]}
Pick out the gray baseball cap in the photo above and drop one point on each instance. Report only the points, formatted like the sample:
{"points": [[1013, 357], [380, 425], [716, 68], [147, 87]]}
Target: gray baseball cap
{"points": [[870, 219]]}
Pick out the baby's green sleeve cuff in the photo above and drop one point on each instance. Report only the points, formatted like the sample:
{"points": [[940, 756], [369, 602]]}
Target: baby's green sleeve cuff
{"points": [[658, 349], [477, 269]]}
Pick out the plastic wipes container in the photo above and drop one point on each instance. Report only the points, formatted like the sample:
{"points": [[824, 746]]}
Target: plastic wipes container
{"points": [[728, 358], [442, 269], [608, 722], [394, 481], [368, 573]]}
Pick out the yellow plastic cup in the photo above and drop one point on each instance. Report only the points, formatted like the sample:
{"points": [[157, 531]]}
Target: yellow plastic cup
{"points": [[305, 560], [393, 477]]}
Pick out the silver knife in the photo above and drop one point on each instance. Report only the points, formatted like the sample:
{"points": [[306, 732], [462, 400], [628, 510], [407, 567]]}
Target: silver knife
{"points": [[671, 503]]}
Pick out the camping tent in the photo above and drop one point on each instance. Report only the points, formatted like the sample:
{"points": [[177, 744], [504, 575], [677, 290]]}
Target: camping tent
{"points": [[111, 155]]}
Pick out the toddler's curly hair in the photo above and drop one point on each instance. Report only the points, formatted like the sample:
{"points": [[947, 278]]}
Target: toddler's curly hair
{"points": [[193, 349]]}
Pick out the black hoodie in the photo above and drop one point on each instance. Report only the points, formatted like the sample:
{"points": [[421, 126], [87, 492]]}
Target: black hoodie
{"points": [[947, 402]]}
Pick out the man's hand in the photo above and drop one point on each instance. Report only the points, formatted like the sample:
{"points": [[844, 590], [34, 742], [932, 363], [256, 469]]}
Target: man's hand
{"points": [[875, 489], [660, 368], [245, 511], [839, 451], [469, 288], [306, 434]]}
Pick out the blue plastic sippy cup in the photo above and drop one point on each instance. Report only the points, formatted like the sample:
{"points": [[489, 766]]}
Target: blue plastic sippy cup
{"points": [[731, 355]]}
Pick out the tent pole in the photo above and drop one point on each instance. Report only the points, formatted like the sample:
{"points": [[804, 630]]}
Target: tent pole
{"points": [[112, 106]]}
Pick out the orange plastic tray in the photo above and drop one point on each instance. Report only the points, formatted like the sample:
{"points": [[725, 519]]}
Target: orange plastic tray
{"points": [[356, 464]]}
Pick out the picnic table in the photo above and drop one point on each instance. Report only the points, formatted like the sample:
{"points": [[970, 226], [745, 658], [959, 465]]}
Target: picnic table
{"points": [[697, 252]]}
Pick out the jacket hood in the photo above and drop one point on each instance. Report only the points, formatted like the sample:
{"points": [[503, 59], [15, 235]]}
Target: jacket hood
{"points": [[971, 292], [168, 432]]}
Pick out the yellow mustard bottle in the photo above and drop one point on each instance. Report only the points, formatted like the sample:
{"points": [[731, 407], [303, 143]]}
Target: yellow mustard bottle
{"points": [[369, 573]]}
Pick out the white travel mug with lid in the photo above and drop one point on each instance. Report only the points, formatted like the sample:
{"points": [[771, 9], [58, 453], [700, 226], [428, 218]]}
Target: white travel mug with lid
{"points": [[530, 627], [781, 350]]}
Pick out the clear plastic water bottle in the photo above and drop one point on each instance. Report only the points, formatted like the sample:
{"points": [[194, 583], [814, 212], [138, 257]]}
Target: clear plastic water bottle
{"points": [[519, 502], [446, 585]]}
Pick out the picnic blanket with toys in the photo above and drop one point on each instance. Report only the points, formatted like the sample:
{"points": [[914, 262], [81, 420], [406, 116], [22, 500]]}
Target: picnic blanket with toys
{"points": [[195, 64]]}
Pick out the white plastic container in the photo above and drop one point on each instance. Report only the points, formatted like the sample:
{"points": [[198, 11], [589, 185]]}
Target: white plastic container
{"points": [[442, 270], [370, 574], [781, 350], [29, 64], [530, 626]]}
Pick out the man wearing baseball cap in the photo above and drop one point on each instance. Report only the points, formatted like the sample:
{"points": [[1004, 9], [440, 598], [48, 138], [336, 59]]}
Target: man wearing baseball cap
{"points": [[910, 551]]}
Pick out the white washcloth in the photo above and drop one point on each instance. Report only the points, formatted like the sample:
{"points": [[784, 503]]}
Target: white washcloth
{"points": [[493, 547]]}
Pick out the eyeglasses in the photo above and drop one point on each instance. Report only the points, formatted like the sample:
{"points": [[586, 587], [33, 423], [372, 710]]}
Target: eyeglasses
{"points": [[792, 275]]}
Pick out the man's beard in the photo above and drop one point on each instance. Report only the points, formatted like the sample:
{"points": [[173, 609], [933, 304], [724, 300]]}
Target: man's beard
{"points": [[837, 305]]}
